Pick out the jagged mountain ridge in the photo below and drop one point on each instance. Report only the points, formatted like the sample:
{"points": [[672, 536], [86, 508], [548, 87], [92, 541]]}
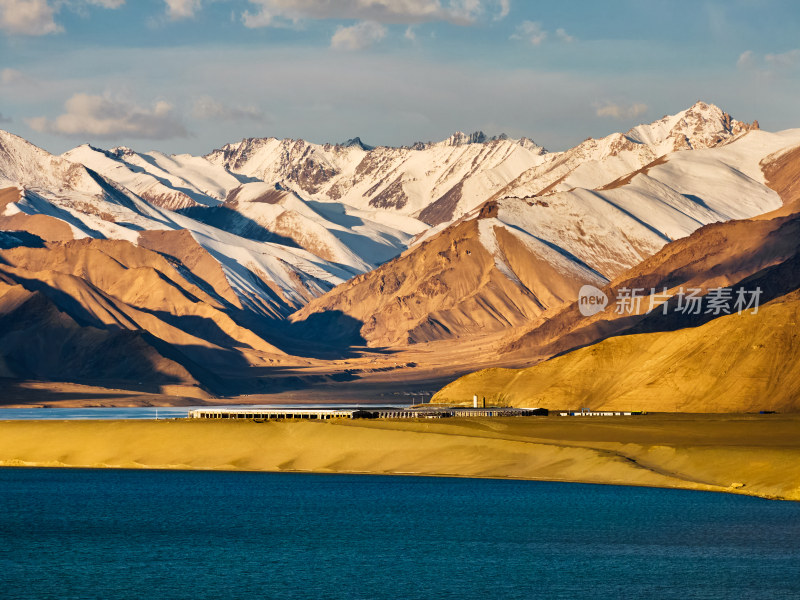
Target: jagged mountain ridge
{"points": [[275, 249], [405, 181], [711, 361], [439, 290], [433, 182], [272, 278], [598, 162]]}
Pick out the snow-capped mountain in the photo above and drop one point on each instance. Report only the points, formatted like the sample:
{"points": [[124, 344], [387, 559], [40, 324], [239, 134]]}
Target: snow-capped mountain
{"points": [[249, 207], [511, 260], [172, 182], [598, 162], [271, 278], [432, 182], [268, 240]]}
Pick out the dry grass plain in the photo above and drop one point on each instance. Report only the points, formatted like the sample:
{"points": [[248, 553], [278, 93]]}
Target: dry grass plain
{"points": [[746, 454]]}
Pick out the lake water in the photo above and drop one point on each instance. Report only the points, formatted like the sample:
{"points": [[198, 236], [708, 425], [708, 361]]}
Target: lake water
{"points": [[81, 534], [135, 412]]}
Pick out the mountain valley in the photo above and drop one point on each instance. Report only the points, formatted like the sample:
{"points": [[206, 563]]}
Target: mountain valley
{"points": [[281, 269]]}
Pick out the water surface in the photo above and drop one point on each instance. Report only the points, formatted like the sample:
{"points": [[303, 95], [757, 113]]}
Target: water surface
{"points": [[139, 412], [79, 534]]}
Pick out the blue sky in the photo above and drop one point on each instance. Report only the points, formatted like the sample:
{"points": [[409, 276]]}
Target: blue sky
{"points": [[191, 75]]}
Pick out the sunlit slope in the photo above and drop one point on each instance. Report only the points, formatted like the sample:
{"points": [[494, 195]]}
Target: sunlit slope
{"points": [[736, 363], [754, 455], [720, 254]]}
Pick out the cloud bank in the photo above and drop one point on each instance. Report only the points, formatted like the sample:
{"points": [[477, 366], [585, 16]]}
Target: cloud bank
{"points": [[104, 117], [618, 111]]}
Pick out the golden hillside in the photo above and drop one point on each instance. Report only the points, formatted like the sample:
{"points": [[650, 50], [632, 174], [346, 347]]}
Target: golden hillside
{"points": [[736, 363]]}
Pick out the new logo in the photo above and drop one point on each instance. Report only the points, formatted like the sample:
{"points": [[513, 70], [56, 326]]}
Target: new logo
{"points": [[591, 300]]}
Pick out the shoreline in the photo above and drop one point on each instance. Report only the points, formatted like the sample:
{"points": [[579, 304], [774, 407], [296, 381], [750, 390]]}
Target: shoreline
{"points": [[743, 454]]}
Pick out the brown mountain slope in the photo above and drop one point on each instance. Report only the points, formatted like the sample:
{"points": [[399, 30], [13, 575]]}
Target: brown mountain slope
{"points": [[46, 228], [665, 362], [113, 292], [39, 341], [140, 284], [720, 254], [782, 172], [736, 363], [451, 286], [193, 262]]}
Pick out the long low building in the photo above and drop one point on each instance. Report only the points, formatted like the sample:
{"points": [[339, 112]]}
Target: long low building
{"points": [[271, 413], [264, 414]]}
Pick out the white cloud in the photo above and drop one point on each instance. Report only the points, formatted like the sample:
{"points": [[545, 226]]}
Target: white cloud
{"points": [[461, 12], [562, 34], [746, 60], [618, 111], [10, 76], [531, 31], [106, 117], [769, 67], [37, 17], [359, 36], [207, 108], [410, 34], [534, 33], [786, 60], [182, 9], [256, 20], [28, 17], [112, 4]]}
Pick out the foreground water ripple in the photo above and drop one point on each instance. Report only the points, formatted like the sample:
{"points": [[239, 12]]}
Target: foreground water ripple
{"points": [[80, 534]]}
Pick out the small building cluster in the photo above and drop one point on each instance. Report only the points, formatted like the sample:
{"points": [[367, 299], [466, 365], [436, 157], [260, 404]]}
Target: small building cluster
{"points": [[599, 413]]}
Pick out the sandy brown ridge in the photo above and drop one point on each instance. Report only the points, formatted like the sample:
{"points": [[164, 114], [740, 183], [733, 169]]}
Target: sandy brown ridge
{"points": [[746, 454]]}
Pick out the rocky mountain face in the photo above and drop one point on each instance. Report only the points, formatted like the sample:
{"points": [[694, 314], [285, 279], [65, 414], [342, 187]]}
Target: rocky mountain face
{"points": [[458, 173], [547, 247], [718, 358], [597, 162], [477, 277], [208, 268]]}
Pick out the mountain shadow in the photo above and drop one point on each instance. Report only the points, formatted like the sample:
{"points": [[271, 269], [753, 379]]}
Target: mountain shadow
{"points": [[227, 219], [16, 239], [331, 335]]}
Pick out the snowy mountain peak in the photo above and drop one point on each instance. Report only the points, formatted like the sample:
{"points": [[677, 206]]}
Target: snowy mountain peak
{"points": [[120, 152], [357, 143], [532, 146], [461, 139], [26, 165], [700, 126]]}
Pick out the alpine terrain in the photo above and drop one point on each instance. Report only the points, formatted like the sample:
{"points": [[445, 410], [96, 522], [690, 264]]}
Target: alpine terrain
{"points": [[283, 268]]}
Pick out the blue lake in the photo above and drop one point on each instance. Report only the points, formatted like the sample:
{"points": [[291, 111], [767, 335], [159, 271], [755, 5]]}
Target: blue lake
{"points": [[80, 534], [133, 412]]}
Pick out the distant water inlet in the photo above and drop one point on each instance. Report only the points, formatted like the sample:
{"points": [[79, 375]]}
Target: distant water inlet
{"points": [[79, 534]]}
